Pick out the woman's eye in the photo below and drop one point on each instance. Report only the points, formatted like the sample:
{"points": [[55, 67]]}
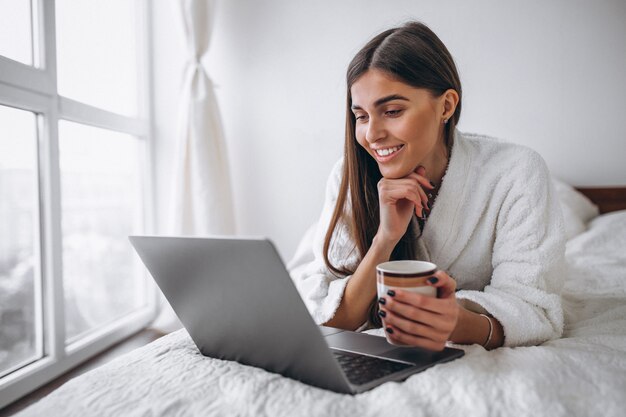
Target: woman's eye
{"points": [[360, 118], [393, 113]]}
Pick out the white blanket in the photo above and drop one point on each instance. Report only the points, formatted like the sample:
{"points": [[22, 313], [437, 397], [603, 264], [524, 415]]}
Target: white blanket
{"points": [[581, 374]]}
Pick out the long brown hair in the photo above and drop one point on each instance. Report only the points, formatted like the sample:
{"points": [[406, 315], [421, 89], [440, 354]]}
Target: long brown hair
{"points": [[412, 54]]}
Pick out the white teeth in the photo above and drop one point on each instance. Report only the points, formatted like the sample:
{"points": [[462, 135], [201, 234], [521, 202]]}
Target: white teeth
{"points": [[385, 152]]}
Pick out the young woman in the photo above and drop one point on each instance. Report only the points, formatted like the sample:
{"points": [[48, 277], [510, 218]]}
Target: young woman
{"points": [[411, 186]]}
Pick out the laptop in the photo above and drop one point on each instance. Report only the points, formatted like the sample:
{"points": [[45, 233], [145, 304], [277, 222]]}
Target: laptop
{"points": [[237, 301]]}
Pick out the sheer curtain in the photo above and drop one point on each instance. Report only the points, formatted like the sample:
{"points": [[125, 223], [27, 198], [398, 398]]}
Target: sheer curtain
{"points": [[202, 197]]}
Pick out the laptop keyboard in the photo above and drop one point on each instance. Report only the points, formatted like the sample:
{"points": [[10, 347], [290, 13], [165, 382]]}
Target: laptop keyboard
{"points": [[361, 369]]}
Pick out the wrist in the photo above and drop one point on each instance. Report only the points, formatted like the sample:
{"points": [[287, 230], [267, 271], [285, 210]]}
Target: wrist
{"points": [[474, 328], [458, 334], [383, 244]]}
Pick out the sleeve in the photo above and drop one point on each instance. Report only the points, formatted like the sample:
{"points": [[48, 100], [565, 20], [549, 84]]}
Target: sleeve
{"points": [[320, 289], [528, 258]]}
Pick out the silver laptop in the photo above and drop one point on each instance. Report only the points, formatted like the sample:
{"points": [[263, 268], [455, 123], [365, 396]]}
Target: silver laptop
{"points": [[237, 301]]}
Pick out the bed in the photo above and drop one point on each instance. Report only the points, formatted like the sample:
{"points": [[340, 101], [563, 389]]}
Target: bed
{"points": [[581, 374]]}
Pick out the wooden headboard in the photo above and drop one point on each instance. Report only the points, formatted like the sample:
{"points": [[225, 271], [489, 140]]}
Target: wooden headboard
{"points": [[607, 199]]}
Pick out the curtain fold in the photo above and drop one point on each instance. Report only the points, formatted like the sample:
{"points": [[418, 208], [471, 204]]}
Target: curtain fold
{"points": [[202, 197]]}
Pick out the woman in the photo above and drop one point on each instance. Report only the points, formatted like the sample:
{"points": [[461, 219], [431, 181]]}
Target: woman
{"points": [[411, 186]]}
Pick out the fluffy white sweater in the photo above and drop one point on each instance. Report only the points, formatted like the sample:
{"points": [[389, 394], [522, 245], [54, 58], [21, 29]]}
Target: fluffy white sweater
{"points": [[496, 228]]}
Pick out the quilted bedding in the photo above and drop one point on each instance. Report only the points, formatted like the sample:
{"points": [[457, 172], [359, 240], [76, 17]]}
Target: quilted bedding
{"points": [[581, 374]]}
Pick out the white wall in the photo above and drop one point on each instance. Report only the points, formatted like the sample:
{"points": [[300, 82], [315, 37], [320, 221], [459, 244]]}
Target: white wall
{"points": [[546, 74]]}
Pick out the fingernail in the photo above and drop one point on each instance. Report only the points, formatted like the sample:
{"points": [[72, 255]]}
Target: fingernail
{"points": [[389, 330], [433, 280], [430, 206], [391, 293], [381, 313], [382, 300]]}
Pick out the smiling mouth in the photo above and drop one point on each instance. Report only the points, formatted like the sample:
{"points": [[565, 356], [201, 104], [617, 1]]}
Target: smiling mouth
{"points": [[387, 153]]}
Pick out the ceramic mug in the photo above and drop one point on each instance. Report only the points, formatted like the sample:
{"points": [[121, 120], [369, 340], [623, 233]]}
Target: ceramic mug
{"points": [[405, 275]]}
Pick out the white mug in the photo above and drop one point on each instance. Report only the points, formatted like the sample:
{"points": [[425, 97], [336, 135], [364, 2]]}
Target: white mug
{"points": [[405, 275]]}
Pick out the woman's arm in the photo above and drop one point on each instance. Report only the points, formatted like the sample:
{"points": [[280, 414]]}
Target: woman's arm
{"points": [[521, 301], [527, 257], [419, 320], [398, 200], [344, 302], [361, 288], [473, 328], [320, 289]]}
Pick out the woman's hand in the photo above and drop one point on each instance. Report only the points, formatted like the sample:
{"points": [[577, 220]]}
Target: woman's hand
{"points": [[419, 320], [398, 199]]}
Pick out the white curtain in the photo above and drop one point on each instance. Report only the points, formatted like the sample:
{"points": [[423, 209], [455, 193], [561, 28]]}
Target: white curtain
{"points": [[202, 197]]}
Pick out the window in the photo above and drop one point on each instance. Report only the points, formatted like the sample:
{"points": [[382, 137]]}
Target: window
{"points": [[95, 60], [16, 31], [20, 278], [100, 207], [74, 146]]}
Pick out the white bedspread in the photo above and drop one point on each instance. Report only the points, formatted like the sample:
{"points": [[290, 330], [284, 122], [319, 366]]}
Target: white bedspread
{"points": [[581, 374]]}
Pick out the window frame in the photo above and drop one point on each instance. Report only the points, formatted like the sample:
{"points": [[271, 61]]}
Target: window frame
{"points": [[34, 88]]}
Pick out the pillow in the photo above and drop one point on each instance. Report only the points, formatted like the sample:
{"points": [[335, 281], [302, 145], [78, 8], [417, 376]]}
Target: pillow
{"points": [[577, 209]]}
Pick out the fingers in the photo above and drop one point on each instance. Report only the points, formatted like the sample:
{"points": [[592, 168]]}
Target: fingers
{"points": [[420, 308], [390, 191], [420, 320], [415, 183], [398, 336], [445, 284], [415, 329], [420, 176], [425, 182], [431, 331]]}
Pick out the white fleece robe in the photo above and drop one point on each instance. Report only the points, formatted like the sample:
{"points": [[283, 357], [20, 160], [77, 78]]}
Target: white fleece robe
{"points": [[496, 227]]}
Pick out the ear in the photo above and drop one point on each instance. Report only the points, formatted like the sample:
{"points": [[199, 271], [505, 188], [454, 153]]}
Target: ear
{"points": [[449, 99]]}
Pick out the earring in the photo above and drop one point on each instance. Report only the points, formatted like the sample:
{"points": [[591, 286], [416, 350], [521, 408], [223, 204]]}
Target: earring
{"points": [[445, 121]]}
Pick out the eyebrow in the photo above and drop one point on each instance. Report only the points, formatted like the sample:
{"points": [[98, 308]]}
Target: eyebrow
{"points": [[382, 101]]}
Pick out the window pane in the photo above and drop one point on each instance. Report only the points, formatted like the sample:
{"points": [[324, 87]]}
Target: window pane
{"points": [[16, 30], [96, 53], [101, 206], [20, 332]]}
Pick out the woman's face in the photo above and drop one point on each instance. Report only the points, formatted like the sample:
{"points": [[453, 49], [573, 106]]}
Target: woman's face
{"points": [[398, 125]]}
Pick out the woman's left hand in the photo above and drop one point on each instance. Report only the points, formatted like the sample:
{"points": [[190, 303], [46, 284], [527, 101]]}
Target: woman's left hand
{"points": [[419, 320]]}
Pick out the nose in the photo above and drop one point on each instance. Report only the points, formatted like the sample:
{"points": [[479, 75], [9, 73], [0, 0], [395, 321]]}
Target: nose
{"points": [[375, 130]]}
